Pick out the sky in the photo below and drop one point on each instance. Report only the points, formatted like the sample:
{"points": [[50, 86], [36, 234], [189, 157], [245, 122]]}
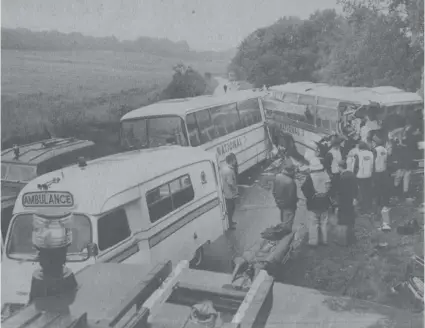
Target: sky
{"points": [[204, 24]]}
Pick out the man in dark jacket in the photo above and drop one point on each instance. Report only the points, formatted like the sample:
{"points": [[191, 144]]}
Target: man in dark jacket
{"points": [[347, 194], [406, 153], [316, 191], [285, 194]]}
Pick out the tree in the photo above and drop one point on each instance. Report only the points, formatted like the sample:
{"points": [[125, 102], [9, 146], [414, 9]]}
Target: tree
{"points": [[375, 51], [289, 50], [186, 82], [410, 12]]}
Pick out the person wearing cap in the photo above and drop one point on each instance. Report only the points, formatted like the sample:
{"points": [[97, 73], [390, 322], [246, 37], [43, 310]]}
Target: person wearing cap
{"points": [[380, 180], [230, 188], [363, 170], [316, 192], [347, 195], [285, 193]]}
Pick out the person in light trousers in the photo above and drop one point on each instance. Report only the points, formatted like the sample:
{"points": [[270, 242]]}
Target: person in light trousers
{"points": [[285, 193], [316, 191], [363, 170], [230, 188]]}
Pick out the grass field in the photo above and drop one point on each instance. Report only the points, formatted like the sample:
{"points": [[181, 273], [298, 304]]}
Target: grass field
{"points": [[39, 87]]}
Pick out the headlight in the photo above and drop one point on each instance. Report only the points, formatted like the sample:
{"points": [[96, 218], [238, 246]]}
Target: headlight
{"points": [[9, 309]]}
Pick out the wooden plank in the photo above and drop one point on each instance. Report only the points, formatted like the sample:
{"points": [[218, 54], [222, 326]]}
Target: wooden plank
{"points": [[22, 318], [171, 316], [255, 297], [257, 312], [80, 322], [139, 320], [165, 290], [224, 292], [43, 321], [140, 293], [67, 321]]}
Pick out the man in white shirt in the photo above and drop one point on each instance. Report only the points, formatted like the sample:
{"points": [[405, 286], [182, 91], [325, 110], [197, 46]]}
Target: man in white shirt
{"points": [[363, 170], [370, 125]]}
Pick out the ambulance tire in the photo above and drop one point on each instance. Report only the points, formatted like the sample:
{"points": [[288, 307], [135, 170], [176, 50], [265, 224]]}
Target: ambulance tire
{"points": [[198, 258]]}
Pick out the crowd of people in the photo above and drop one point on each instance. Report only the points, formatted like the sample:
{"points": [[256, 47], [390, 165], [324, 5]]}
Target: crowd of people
{"points": [[345, 181], [351, 177]]}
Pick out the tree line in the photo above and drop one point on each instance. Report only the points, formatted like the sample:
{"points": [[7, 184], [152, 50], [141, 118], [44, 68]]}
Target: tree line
{"points": [[371, 43]]}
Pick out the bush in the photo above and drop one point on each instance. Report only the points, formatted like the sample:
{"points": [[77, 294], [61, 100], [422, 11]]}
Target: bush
{"points": [[186, 82]]}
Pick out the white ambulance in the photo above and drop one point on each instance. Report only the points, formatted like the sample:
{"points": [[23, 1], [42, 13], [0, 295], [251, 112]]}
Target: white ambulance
{"points": [[142, 207]]}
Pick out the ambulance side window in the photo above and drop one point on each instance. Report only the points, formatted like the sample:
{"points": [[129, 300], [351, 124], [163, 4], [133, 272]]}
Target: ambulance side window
{"points": [[169, 197], [112, 229]]}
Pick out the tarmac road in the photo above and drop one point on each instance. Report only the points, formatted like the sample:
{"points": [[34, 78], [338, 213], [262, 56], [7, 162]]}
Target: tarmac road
{"points": [[219, 90], [255, 211]]}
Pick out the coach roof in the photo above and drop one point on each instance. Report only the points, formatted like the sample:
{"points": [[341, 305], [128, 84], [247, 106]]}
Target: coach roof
{"points": [[97, 183], [324, 90], [385, 95], [391, 96], [183, 106]]}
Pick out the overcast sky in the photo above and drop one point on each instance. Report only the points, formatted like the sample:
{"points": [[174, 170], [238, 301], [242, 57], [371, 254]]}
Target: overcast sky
{"points": [[204, 24]]}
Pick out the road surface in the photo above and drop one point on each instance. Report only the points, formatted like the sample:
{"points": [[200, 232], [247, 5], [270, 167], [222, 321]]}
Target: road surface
{"points": [[220, 88], [255, 211]]}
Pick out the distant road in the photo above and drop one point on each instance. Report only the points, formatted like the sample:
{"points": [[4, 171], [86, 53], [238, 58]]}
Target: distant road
{"points": [[221, 83]]}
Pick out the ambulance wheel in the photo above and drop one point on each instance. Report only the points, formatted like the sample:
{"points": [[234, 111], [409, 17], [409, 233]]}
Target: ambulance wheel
{"points": [[198, 258]]}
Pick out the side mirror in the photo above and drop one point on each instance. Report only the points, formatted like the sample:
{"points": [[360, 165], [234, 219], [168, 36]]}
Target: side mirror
{"points": [[92, 249]]}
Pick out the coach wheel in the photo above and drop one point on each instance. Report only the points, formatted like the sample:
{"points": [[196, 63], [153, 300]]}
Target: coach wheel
{"points": [[198, 258]]}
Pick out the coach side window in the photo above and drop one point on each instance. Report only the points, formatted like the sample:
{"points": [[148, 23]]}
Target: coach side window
{"points": [[249, 112], [206, 128], [192, 127], [225, 118], [290, 98], [309, 102], [169, 197], [326, 118], [112, 229]]}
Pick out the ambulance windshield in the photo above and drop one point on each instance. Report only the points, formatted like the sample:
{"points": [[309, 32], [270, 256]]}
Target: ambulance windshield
{"points": [[18, 172], [20, 246], [150, 132]]}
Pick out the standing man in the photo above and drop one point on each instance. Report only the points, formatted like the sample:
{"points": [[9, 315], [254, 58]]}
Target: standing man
{"points": [[331, 162], [363, 170], [316, 191], [230, 188], [285, 193], [225, 88], [406, 151], [352, 156], [347, 194], [380, 181], [370, 125]]}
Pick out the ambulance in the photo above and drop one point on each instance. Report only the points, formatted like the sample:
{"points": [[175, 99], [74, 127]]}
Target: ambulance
{"points": [[139, 207]]}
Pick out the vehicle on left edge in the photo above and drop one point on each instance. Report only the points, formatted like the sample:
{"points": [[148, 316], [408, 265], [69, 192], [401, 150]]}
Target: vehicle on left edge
{"points": [[23, 163]]}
